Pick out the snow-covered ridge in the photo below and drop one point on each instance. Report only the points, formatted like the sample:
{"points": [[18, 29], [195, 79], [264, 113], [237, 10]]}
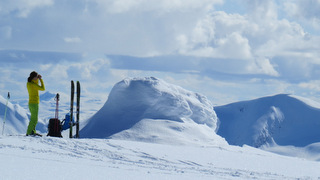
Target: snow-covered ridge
{"points": [[46, 96], [150, 109], [16, 118], [280, 119]]}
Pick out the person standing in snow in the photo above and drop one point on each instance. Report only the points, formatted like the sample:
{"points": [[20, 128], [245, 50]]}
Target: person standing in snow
{"points": [[34, 100]]}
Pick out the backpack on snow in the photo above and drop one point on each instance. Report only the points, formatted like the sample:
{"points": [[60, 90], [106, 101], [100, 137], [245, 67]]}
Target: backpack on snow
{"points": [[54, 126], [66, 122]]}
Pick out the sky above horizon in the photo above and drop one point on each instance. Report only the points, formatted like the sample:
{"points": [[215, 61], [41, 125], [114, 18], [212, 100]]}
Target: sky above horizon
{"points": [[227, 50]]}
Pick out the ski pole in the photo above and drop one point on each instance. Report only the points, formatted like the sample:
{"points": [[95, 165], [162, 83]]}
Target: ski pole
{"points": [[57, 98], [5, 113]]}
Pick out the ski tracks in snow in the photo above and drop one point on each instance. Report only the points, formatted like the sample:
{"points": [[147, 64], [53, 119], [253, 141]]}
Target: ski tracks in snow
{"points": [[169, 160]]}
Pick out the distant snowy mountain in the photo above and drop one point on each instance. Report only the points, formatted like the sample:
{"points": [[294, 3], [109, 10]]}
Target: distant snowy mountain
{"points": [[47, 96], [282, 119], [152, 110]]}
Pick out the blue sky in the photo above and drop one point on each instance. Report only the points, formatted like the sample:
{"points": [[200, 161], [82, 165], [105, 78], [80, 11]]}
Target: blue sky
{"points": [[228, 50]]}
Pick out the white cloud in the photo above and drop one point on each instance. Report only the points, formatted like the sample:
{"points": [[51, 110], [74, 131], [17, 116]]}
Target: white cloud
{"points": [[262, 10], [259, 37], [311, 85], [305, 11], [158, 6], [57, 71], [303, 8], [45, 67], [218, 35], [108, 26], [263, 66], [234, 46], [72, 40], [22, 8], [291, 8], [89, 70]]}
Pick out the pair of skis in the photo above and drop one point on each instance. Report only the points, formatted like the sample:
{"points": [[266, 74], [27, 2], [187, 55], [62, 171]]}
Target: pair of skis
{"points": [[72, 123]]}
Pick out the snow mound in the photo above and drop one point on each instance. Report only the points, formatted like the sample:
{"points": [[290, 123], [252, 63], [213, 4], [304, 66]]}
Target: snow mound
{"points": [[149, 109], [310, 152], [16, 118], [281, 119]]}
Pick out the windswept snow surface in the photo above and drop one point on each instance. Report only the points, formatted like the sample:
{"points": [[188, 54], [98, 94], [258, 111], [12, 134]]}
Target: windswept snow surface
{"points": [[49, 158], [151, 110]]}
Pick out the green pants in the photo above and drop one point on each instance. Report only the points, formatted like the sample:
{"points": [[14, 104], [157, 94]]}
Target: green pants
{"points": [[34, 108]]}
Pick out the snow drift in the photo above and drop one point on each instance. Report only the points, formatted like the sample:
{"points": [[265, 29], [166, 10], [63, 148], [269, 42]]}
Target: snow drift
{"points": [[152, 110], [16, 118], [281, 119]]}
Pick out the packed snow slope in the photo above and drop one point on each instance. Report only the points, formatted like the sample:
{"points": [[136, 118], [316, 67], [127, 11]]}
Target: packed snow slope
{"points": [[49, 158], [149, 109], [16, 118], [281, 119]]}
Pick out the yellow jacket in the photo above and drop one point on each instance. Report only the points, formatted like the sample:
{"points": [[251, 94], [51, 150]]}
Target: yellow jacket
{"points": [[33, 89]]}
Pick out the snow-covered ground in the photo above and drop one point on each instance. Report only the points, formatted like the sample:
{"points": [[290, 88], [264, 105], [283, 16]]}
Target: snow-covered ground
{"points": [[149, 129], [54, 158]]}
